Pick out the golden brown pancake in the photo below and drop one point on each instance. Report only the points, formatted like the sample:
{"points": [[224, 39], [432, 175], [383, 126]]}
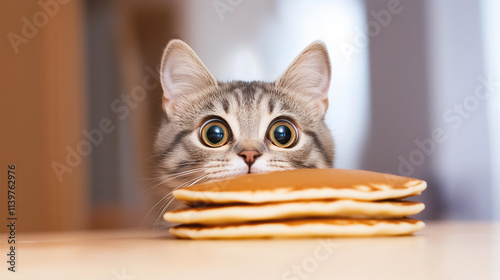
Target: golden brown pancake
{"points": [[303, 184], [301, 228], [239, 213]]}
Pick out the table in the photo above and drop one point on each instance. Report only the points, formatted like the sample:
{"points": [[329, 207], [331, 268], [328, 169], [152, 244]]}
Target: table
{"points": [[443, 250]]}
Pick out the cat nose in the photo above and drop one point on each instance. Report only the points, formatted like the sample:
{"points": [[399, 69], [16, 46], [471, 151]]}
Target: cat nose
{"points": [[249, 156]]}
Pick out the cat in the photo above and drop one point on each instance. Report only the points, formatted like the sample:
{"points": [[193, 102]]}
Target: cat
{"points": [[214, 129]]}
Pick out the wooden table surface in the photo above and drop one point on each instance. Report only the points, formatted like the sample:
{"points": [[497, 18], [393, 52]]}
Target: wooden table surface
{"points": [[443, 250]]}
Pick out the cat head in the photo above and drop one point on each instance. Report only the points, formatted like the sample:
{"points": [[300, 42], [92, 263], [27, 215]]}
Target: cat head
{"points": [[218, 129]]}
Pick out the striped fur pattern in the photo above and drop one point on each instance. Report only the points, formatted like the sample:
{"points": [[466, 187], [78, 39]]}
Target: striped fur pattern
{"points": [[192, 95]]}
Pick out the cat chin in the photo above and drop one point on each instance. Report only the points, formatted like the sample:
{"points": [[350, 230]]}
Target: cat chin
{"points": [[238, 169], [237, 166], [254, 170], [229, 171], [260, 166]]}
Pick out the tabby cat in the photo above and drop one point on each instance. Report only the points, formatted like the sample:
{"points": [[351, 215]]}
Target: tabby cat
{"points": [[216, 129]]}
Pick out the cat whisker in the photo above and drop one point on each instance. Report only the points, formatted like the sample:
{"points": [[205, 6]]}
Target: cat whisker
{"points": [[169, 177], [163, 198], [219, 160], [186, 184], [162, 178], [184, 164], [182, 172], [169, 194], [296, 166]]}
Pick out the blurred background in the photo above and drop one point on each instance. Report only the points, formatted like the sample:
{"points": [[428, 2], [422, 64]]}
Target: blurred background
{"points": [[414, 92]]}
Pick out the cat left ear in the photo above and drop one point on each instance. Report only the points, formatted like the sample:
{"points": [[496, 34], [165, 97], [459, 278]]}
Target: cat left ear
{"points": [[309, 76], [183, 76]]}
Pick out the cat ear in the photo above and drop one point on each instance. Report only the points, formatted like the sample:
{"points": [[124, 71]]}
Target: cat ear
{"points": [[183, 76], [309, 76]]}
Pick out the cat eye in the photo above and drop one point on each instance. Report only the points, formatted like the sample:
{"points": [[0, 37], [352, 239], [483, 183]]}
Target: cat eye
{"points": [[282, 133], [214, 133]]}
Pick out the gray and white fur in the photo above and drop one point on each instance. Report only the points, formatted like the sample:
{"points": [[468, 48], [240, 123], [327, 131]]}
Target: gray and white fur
{"points": [[191, 96]]}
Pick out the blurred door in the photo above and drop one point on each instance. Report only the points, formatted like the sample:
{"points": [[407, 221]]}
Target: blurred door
{"points": [[43, 114]]}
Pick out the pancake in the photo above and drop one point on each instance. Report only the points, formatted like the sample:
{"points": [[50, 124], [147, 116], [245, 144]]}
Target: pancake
{"points": [[240, 213], [302, 228], [303, 184]]}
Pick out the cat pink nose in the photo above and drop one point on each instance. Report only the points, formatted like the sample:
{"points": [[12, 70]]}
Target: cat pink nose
{"points": [[249, 156]]}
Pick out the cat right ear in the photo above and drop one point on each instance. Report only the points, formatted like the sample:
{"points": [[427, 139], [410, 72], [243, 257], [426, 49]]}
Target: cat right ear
{"points": [[308, 77], [183, 76]]}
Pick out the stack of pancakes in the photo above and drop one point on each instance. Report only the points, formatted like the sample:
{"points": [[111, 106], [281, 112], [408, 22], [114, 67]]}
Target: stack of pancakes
{"points": [[299, 203]]}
